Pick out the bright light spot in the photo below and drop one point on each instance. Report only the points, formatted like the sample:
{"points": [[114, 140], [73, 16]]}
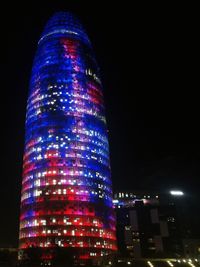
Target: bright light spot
{"points": [[128, 262], [115, 201], [176, 193], [170, 264], [150, 264]]}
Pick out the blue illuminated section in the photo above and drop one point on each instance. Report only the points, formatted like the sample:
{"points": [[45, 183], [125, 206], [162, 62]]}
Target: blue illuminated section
{"points": [[66, 188], [65, 24]]}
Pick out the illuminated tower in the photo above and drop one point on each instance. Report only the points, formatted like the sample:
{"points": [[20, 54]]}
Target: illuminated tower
{"points": [[66, 196]]}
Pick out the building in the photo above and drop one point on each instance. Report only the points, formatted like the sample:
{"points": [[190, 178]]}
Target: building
{"points": [[191, 248], [148, 225], [66, 197]]}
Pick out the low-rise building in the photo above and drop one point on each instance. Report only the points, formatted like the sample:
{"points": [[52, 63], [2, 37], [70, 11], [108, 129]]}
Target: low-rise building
{"points": [[148, 225]]}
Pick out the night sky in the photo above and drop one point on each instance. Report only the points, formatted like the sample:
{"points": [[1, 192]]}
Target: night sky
{"points": [[150, 71]]}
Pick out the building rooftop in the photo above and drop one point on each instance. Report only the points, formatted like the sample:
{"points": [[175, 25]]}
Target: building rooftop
{"points": [[64, 24]]}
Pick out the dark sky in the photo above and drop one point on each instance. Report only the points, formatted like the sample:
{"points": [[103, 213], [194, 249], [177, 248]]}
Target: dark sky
{"points": [[149, 59]]}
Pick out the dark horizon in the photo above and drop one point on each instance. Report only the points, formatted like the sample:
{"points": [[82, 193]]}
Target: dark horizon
{"points": [[148, 66]]}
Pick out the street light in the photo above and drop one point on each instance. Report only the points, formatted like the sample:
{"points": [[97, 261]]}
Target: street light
{"points": [[176, 193]]}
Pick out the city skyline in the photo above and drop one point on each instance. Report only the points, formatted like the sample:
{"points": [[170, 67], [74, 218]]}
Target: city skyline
{"points": [[153, 135]]}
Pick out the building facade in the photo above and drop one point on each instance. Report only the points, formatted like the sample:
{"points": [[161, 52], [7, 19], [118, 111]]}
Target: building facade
{"points": [[147, 225], [66, 197], [191, 248]]}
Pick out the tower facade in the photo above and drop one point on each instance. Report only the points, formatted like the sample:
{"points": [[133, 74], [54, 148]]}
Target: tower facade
{"points": [[66, 197]]}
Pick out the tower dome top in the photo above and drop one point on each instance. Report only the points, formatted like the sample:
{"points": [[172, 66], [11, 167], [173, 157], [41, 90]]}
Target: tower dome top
{"points": [[64, 24]]}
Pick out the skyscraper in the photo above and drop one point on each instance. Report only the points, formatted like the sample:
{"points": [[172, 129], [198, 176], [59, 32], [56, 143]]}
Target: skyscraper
{"points": [[66, 197]]}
